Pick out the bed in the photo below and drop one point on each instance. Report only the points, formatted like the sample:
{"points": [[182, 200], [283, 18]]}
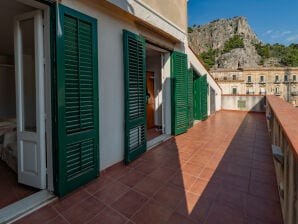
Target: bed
{"points": [[8, 143]]}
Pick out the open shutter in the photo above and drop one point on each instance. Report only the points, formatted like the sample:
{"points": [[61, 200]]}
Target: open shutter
{"points": [[180, 107], [190, 97], [77, 98], [204, 101], [197, 98], [135, 95]]}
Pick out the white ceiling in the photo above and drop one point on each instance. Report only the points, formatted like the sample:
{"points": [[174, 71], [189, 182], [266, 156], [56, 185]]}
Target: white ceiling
{"points": [[8, 10]]}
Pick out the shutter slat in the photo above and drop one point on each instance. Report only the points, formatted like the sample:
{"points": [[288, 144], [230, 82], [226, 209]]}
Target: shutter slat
{"points": [[135, 85], [180, 79], [77, 94]]}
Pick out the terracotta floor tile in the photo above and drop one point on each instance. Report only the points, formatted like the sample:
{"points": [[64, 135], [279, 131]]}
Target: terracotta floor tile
{"points": [[262, 190], [183, 180], [97, 184], [231, 196], [163, 174], [169, 196], [263, 176], [223, 214], [238, 182], [116, 171], [84, 211], [195, 207], [152, 212], [111, 193], [148, 186], [43, 215], [207, 174], [263, 210], [193, 169], [146, 167], [129, 203], [62, 204], [131, 178], [177, 218], [108, 216], [225, 175], [58, 220]]}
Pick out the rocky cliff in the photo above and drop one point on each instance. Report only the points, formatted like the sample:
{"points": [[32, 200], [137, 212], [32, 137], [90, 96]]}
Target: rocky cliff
{"points": [[215, 36]]}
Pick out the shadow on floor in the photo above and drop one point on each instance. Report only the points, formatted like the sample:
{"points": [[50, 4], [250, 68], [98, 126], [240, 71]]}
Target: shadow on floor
{"points": [[10, 190], [220, 171]]}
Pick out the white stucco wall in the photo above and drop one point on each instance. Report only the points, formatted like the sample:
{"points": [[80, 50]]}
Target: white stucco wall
{"points": [[196, 64], [252, 103], [111, 79], [145, 12]]}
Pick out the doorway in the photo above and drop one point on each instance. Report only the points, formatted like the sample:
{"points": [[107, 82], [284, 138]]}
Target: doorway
{"points": [[23, 73], [157, 92]]}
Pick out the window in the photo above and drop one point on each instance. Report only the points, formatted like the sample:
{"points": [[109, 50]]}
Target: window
{"points": [[262, 91], [261, 78], [234, 77], [293, 91], [285, 78], [234, 90], [294, 78], [277, 91], [250, 91], [276, 78], [249, 78]]}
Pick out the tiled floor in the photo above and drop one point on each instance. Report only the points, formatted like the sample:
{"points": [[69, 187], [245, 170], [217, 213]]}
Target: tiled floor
{"points": [[153, 133], [10, 190], [220, 171]]}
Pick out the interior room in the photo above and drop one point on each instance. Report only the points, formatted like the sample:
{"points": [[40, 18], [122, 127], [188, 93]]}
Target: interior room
{"points": [[10, 190], [155, 92]]}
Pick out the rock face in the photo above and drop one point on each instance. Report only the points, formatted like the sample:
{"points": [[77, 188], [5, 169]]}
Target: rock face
{"points": [[215, 34]]}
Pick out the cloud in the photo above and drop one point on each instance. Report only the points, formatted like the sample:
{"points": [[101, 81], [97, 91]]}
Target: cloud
{"points": [[276, 34], [286, 32], [292, 38]]}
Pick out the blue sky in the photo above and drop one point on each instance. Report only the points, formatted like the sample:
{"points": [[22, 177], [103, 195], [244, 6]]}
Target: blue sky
{"points": [[274, 21]]}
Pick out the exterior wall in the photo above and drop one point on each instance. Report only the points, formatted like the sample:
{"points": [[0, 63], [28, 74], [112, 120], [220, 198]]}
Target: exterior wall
{"points": [[195, 63], [150, 13], [236, 102], [174, 10], [111, 77], [286, 89]]}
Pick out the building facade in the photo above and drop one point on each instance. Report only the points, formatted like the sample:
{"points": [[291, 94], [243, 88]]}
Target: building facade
{"points": [[76, 75], [259, 81]]}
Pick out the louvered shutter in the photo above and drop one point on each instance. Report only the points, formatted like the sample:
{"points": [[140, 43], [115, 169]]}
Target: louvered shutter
{"points": [[77, 97], [135, 95], [190, 97], [180, 80], [197, 99], [204, 99]]}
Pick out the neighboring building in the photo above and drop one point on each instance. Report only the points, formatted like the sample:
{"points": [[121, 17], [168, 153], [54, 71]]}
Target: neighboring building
{"points": [[259, 81], [92, 79]]}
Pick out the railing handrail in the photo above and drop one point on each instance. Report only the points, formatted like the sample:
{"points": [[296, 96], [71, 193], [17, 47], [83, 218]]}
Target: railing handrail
{"points": [[287, 117]]}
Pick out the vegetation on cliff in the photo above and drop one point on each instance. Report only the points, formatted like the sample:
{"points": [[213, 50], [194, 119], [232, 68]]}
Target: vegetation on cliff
{"points": [[287, 55]]}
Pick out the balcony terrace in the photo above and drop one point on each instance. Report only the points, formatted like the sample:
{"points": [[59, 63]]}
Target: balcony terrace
{"points": [[220, 171]]}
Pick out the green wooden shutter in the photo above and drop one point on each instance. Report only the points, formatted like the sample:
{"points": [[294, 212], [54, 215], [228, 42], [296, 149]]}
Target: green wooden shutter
{"points": [[204, 99], [77, 98], [190, 97], [135, 95], [197, 99], [179, 78]]}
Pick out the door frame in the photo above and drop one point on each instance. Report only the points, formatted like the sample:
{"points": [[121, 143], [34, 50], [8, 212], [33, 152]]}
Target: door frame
{"points": [[49, 10], [165, 76]]}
